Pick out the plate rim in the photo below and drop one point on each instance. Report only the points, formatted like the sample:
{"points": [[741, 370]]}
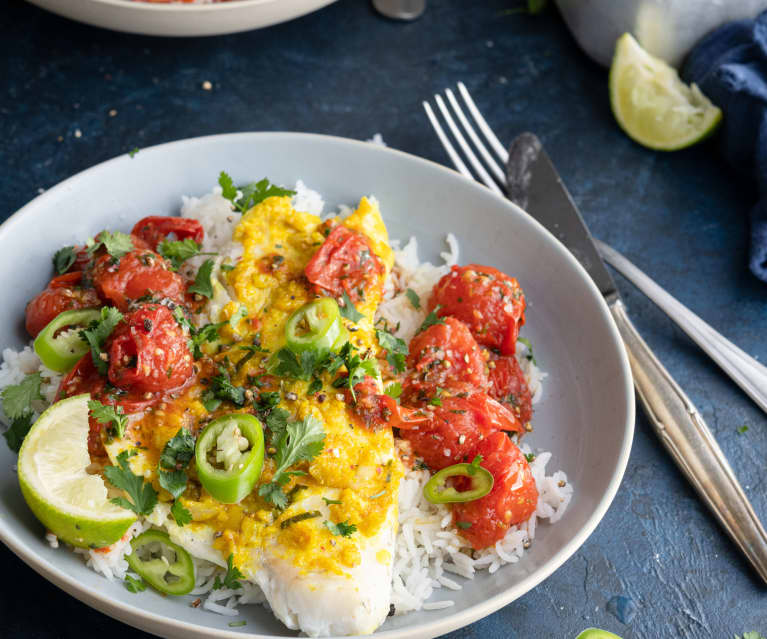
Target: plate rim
{"points": [[152, 622]]}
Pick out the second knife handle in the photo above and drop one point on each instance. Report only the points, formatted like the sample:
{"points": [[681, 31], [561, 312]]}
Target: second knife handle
{"points": [[691, 444]]}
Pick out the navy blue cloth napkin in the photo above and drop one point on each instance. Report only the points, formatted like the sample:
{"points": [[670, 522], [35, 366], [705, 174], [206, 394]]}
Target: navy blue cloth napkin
{"points": [[730, 67]]}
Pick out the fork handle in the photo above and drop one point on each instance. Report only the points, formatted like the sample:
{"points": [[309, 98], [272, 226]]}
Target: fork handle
{"points": [[691, 444]]}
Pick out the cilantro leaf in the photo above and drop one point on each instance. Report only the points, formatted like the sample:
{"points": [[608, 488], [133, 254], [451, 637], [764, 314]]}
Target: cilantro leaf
{"points": [[341, 528], [231, 578], [97, 333], [18, 430], [202, 283], [178, 251], [144, 496], [17, 398], [743, 429], [240, 314], [529, 354], [228, 189], [133, 152], [286, 363], [393, 390], [348, 310], [223, 389], [530, 457], [436, 400], [300, 441], [134, 585], [197, 336], [415, 301], [210, 401], [64, 258], [357, 368], [178, 451], [256, 192], [174, 481], [116, 244], [109, 415], [314, 387], [396, 350], [430, 320], [180, 513]]}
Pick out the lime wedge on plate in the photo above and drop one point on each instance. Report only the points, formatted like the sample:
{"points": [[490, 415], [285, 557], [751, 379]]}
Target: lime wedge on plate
{"points": [[652, 105], [68, 501], [596, 633]]}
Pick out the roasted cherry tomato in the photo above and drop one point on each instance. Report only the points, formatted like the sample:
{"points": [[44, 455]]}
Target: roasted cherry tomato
{"points": [[63, 293], [165, 566], [136, 274], [509, 386], [149, 352], [445, 354], [155, 228], [345, 263], [459, 419], [490, 302], [378, 410], [511, 501], [229, 455]]}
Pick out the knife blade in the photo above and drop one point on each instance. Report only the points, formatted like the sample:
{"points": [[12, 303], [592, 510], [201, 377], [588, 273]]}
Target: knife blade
{"points": [[534, 185]]}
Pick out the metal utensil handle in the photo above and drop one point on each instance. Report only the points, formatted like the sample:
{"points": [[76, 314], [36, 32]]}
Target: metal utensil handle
{"points": [[691, 444], [743, 369]]}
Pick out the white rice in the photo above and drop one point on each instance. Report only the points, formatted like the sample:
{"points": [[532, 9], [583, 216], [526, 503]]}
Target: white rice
{"points": [[429, 554]]}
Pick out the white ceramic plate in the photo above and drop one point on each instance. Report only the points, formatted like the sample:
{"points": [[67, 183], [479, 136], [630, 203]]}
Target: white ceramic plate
{"points": [[180, 19], [588, 396]]}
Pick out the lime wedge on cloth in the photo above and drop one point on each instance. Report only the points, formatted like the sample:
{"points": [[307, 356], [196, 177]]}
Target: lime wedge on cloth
{"points": [[53, 460], [652, 105]]}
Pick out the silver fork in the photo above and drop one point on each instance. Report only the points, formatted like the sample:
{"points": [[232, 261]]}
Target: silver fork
{"points": [[743, 369]]}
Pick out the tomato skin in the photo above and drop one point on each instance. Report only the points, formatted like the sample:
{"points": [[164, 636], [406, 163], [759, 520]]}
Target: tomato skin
{"points": [[454, 429], [63, 293], [509, 386], [381, 411], [490, 303], [137, 273], [345, 263], [446, 354], [155, 228], [492, 515], [149, 353]]}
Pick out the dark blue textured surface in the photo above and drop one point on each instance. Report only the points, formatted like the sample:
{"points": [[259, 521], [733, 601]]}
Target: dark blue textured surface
{"points": [[348, 72]]}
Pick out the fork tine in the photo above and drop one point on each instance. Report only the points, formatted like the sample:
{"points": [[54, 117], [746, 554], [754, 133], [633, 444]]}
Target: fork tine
{"points": [[475, 163], [500, 151], [454, 157], [491, 163]]}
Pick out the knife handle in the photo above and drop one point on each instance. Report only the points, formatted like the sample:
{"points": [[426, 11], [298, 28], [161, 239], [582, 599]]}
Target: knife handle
{"points": [[690, 442]]}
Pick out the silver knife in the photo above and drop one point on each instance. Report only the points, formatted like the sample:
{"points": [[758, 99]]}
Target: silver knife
{"points": [[535, 185]]}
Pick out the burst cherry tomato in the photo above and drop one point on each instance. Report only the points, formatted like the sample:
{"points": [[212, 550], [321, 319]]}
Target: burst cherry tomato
{"points": [[138, 273], [459, 419], [149, 352], [155, 228], [378, 410], [345, 263], [490, 302], [63, 293], [509, 386], [511, 501], [446, 353]]}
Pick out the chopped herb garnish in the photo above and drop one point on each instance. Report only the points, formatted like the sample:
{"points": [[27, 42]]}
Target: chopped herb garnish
{"points": [[63, 259], [133, 152], [300, 517], [237, 624], [231, 578], [223, 389], [342, 528], [331, 502], [436, 400], [144, 496], [18, 398], [97, 333], [463, 525], [180, 513], [393, 390], [134, 585], [348, 310], [228, 189], [17, 431], [202, 282], [116, 244], [314, 387], [431, 319], [529, 354], [300, 441], [286, 363], [109, 415], [743, 429], [210, 401], [357, 368], [252, 193], [396, 350], [179, 251], [240, 314], [176, 455], [415, 301], [530, 457]]}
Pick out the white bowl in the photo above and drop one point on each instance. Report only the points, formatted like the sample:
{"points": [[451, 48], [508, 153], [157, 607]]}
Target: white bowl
{"points": [[179, 19], [586, 416]]}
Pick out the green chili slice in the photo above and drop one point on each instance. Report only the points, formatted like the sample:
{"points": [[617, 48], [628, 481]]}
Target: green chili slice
{"points": [[165, 566], [437, 490], [229, 455], [59, 345], [316, 326]]}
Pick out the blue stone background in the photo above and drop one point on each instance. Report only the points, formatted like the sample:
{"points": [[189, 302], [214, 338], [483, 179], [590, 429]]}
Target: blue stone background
{"points": [[346, 71]]}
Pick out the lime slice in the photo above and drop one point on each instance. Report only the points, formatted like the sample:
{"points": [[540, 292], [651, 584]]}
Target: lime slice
{"points": [[652, 105], [596, 633], [68, 501]]}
